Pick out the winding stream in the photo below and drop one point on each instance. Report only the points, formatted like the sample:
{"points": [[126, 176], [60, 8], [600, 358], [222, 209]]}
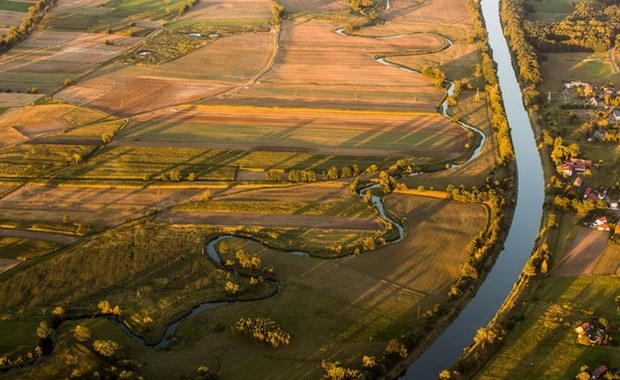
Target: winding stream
{"points": [[525, 225]]}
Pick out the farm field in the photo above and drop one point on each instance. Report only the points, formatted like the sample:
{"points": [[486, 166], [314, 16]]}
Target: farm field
{"points": [[21, 124], [155, 127], [306, 130], [348, 78], [48, 58], [128, 89]]}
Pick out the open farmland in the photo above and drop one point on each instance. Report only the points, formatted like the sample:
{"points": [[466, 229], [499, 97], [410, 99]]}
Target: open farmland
{"points": [[318, 67], [97, 205], [209, 71], [48, 58], [306, 130], [34, 122]]}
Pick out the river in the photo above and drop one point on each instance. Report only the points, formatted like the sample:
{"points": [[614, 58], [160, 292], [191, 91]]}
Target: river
{"points": [[520, 241]]}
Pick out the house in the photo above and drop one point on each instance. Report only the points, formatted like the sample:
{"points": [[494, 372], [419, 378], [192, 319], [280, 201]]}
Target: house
{"points": [[591, 334], [581, 165], [615, 116], [578, 182], [574, 83], [587, 193], [195, 35], [593, 102], [617, 230], [599, 372], [566, 169], [601, 224], [613, 205]]}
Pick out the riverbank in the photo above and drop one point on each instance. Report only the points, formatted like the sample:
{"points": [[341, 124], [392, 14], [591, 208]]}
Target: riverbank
{"points": [[528, 214]]}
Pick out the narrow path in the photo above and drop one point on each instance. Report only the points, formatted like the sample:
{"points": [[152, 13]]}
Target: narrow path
{"points": [[612, 60]]}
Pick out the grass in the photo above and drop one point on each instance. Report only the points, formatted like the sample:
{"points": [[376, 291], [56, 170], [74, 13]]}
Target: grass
{"points": [[17, 337], [335, 309], [558, 68], [544, 344], [550, 10], [15, 6], [24, 249]]}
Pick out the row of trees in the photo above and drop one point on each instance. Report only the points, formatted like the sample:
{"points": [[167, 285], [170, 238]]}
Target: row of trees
{"points": [[527, 61], [505, 152], [309, 175], [19, 33]]}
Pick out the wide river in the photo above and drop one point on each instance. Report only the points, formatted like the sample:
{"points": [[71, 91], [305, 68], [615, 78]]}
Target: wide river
{"points": [[525, 225]]}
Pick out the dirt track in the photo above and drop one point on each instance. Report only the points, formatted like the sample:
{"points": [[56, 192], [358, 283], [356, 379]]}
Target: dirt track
{"points": [[585, 251], [247, 219]]}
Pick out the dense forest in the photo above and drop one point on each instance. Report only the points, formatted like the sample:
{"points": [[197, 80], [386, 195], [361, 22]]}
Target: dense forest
{"points": [[593, 25]]}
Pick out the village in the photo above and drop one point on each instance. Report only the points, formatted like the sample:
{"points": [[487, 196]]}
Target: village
{"points": [[603, 126]]}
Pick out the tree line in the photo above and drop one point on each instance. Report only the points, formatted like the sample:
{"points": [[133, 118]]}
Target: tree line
{"points": [[19, 33]]}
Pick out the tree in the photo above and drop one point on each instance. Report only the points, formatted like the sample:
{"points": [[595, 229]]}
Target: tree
{"points": [[44, 331], [206, 195], [58, 312], [106, 138], [192, 176], [231, 287], [332, 173], [81, 333], [107, 348], [273, 175]]}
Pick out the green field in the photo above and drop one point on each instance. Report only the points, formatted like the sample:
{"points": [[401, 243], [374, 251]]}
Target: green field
{"points": [[558, 68], [16, 6], [544, 344], [550, 10]]}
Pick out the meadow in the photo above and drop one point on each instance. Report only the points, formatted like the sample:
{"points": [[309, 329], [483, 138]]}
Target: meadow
{"points": [[335, 309], [544, 344]]}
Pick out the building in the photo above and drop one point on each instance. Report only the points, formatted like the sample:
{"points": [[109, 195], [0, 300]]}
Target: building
{"points": [[591, 334], [578, 182]]}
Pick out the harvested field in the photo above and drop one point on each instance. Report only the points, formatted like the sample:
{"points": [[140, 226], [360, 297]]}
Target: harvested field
{"points": [[305, 130], [428, 15], [228, 9], [211, 70], [266, 220], [319, 67], [26, 123], [101, 205], [17, 100], [47, 58], [586, 249], [314, 6]]}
